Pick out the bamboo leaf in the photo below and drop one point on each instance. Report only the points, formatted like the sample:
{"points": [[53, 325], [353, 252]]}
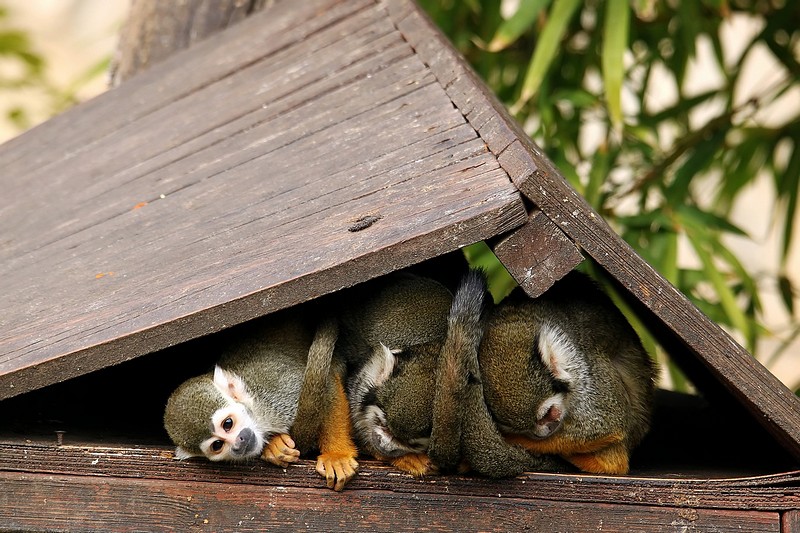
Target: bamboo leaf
{"points": [[741, 165], [787, 292], [601, 163], [695, 164], [668, 264], [510, 29], [650, 221], [727, 298], [788, 186], [703, 219], [689, 16], [547, 46], [615, 42]]}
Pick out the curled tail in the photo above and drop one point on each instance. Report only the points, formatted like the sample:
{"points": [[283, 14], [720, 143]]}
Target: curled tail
{"points": [[457, 368], [463, 428], [318, 385]]}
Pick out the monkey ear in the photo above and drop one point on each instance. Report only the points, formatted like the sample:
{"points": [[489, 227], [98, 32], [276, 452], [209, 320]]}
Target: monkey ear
{"points": [[559, 353], [230, 385], [181, 454]]}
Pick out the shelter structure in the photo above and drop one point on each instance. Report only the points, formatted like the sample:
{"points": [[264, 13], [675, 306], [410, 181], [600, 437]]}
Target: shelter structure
{"points": [[313, 146]]}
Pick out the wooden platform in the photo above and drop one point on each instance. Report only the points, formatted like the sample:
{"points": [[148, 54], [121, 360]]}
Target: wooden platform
{"points": [[108, 488], [311, 147]]}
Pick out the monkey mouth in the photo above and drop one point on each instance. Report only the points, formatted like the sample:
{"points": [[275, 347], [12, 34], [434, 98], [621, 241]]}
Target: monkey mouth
{"points": [[246, 450]]}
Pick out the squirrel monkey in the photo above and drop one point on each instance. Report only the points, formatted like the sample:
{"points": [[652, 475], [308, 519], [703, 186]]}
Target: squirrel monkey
{"points": [[584, 391], [562, 376], [411, 406], [388, 319], [278, 379]]}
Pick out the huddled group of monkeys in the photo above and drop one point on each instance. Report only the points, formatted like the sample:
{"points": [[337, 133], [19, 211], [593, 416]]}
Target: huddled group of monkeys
{"points": [[429, 381]]}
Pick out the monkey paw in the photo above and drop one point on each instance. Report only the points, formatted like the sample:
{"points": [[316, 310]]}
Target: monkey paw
{"points": [[610, 460], [337, 468], [416, 464], [280, 450]]}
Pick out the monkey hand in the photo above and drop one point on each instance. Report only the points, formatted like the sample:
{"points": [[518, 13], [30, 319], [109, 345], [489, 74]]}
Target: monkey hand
{"points": [[416, 464], [280, 450], [337, 468]]}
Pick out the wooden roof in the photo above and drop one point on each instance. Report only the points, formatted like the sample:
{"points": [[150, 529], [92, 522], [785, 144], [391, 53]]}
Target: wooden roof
{"points": [[308, 150], [314, 146]]}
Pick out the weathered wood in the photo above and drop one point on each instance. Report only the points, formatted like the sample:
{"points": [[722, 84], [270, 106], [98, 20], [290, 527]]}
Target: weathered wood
{"points": [[537, 254], [790, 521], [755, 387], [154, 31], [228, 189], [110, 504], [775, 492], [65, 136]]}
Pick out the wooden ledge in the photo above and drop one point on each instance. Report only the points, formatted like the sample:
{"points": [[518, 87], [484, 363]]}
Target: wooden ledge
{"points": [[156, 463]]}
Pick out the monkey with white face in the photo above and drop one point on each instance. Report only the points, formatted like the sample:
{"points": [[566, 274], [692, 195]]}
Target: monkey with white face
{"points": [[276, 393]]}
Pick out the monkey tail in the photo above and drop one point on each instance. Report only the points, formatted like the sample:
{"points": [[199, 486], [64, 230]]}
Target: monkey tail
{"points": [[457, 367], [463, 428], [317, 386]]}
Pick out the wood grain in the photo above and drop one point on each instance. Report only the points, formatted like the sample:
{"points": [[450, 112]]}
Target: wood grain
{"points": [[224, 187], [762, 394], [790, 521], [773, 492], [116, 488], [111, 504], [537, 254]]}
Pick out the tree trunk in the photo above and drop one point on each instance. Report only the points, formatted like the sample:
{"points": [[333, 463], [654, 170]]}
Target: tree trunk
{"points": [[155, 29]]}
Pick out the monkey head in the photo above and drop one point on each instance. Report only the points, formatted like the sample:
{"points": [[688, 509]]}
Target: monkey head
{"points": [[530, 369], [211, 416]]}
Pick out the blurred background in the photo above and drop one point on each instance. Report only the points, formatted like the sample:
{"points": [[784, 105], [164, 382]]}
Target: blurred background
{"points": [[679, 121]]}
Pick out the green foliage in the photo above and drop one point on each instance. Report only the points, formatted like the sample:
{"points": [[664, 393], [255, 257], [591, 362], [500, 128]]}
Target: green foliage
{"points": [[585, 79], [24, 67]]}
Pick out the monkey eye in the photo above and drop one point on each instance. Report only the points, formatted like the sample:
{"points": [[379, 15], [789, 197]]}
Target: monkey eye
{"points": [[227, 424], [216, 445]]}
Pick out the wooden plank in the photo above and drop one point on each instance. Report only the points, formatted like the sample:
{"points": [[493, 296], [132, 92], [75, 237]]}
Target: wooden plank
{"points": [[776, 492], [764, 396], [226, 53], [33, 501], [537, 254], [236, 198], [215, 128], [790, 521]]}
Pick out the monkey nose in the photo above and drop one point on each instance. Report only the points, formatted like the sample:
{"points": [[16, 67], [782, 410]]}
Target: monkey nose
{"points": [[550, 422], [552, 415]]}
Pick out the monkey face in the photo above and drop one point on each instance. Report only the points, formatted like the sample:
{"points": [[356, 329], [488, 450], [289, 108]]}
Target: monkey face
{"points": [[234, 435], [530, 369], [211, 416]]}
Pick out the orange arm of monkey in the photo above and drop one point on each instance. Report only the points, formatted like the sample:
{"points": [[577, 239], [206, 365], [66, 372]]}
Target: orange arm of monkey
{"points": [[337, 460], [605, 455]]}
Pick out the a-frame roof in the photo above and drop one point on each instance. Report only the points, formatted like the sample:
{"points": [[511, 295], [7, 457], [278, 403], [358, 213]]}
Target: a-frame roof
{"points": [[308, 150], [315, 146]]}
